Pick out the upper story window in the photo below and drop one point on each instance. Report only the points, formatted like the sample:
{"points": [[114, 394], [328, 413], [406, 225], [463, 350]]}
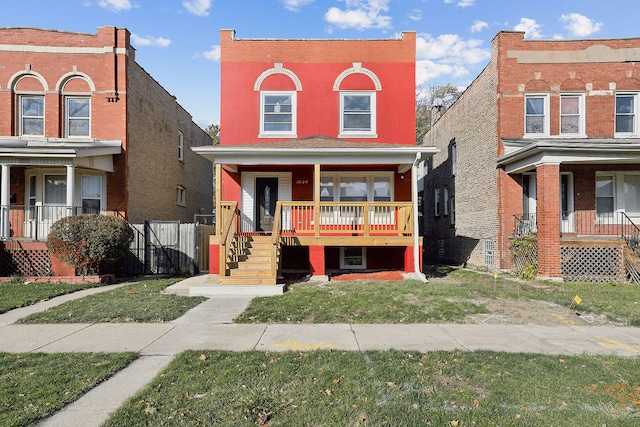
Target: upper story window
{"points": [[31, 114], [536, 115], [180, 146], [278, 114], [358, 114], [78, 116], [626, 118], [572, 119]]}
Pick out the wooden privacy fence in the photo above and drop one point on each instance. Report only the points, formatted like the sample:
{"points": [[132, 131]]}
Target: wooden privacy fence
{"points": [[168, 247]]}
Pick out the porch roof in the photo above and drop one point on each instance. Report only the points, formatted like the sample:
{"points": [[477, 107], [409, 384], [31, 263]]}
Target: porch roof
{"points": [[524, 154], [317, 149], [87, 152]]}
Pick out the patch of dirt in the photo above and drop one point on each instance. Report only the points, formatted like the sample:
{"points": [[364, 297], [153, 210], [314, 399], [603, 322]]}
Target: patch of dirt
{"points": [[378, 275], [510, 311]]}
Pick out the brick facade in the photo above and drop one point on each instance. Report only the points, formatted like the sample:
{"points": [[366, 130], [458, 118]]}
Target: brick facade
{"points": [[493, 151], [127, 105]]}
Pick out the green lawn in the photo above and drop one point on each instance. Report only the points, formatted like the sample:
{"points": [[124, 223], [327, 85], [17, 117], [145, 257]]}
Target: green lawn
{"points": [[16, 294], [443, 299], [136, 302], [35, 385], [387, 388]]}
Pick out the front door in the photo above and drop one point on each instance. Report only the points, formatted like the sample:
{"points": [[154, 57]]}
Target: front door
{"points": [[266, 198]]}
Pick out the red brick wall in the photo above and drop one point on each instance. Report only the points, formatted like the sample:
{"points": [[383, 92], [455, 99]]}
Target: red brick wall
{"points": [[317, 63]]}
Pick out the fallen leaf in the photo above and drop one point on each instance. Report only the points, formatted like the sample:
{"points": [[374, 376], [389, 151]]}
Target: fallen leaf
{"points": [[203, 357]]}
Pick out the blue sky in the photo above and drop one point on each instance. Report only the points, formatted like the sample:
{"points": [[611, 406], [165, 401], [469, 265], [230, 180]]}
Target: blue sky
{"points": [[177, 41]]}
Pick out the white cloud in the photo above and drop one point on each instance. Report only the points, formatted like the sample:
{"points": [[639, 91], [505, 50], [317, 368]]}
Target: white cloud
{"points": [[447, 54], [197, 7], [115, 5], [416, 15], [295, 5], [360, 14], [213, 54], [580, 25], [461, 3], [530, 27], [478, 26], [149, 41]]}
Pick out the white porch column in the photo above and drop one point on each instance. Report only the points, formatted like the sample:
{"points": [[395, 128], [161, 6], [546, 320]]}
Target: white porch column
{"points": [[70, 189], [5, 201], [416, 219]]}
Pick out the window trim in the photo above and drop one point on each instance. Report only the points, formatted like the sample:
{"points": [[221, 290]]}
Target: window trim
{"points": [[21, 116], [336, 178], [581, 116], [180, 146], [181, 196], [67, 118], [636, 103], [545, 114], [345, 266], [294, 114], [372, 132]]}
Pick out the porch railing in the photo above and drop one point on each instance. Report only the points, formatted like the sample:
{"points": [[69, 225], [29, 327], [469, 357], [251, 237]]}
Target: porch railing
{"points": [[584, 223], [34, 221], [359, 218]]}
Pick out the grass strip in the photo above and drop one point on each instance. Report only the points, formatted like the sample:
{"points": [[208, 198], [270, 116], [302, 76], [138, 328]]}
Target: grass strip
{"points": [[35, 385], [387, 388], [407, 301], [17, 294], [136, 302], [449, 298]]}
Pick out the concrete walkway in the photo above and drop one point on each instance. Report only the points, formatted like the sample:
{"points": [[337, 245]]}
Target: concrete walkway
{"points": [[210, 326]]}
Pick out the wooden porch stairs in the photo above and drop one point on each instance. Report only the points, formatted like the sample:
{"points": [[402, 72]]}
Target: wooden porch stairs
{"points": [[253, 267]]}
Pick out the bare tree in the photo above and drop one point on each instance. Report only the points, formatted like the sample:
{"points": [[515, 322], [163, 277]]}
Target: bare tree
{"points": [[214, 132], [426, 98]]}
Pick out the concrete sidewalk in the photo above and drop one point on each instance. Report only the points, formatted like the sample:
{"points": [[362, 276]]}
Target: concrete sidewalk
{"points": [[210, 326]]}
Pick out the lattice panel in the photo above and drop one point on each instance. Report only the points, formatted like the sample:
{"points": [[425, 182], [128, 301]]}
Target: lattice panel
{"points": [[525, 256], [592, 263], [25, 262]]}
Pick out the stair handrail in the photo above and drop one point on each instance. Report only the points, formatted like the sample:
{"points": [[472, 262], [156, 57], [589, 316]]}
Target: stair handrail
{"points": [[275, 239], [227, 236], [632, 237]]}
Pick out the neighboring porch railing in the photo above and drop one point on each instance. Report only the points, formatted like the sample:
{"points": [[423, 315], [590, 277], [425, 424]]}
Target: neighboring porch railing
{"points": [[584, 223], [359, 218], [34, 221]]}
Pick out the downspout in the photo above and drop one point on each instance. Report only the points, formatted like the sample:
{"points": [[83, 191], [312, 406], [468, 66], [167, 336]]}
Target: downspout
{"points": [[416, 227]]}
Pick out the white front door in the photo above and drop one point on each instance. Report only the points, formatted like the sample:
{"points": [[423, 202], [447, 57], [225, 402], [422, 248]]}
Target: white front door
{"points": [[566, 203]]}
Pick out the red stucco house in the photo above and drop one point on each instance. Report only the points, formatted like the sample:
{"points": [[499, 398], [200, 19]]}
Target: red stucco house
{"points": [[317, 163], [542, 147]]}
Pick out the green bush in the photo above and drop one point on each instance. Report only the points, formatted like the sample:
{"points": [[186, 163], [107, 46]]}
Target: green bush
{"points": [[92, 244]]}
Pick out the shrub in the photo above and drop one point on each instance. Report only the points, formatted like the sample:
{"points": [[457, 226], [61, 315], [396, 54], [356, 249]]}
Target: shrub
{"points": [[92, 244]]}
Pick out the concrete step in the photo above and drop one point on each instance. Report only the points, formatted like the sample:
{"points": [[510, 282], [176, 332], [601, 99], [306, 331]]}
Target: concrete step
{"points": [[247, 280]]}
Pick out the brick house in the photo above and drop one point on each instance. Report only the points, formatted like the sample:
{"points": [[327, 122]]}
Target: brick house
{"points": [[542, 145], [317, 159], [85, 129]]}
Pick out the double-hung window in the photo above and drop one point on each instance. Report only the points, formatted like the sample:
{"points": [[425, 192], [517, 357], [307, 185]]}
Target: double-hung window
{"points": [[536, 115], [278, 114], [626, 115], [31, 115], [78, 116], [572, 120], [604, 195], [358, 114], [180, 146], [91, 194]]}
